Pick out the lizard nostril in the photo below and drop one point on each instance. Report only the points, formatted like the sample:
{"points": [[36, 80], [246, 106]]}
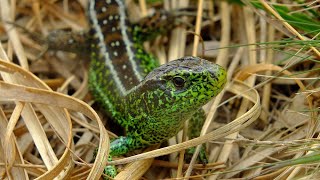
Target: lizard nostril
{"points": [[217, 72]]}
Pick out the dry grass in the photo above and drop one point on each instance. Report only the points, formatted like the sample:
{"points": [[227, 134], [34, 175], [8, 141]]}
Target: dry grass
{"points": [[261, 126]]}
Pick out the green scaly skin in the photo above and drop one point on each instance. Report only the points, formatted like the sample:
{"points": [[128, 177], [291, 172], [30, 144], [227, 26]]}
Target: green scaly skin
{"points": [[155, 108], [195, 125], [152, 109]]}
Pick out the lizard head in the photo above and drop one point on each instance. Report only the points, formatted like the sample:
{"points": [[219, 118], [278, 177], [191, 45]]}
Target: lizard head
{"points": [[180, 86]]}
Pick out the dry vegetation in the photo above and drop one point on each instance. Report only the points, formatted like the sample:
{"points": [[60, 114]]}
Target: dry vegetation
{"points": [[264, 125]]}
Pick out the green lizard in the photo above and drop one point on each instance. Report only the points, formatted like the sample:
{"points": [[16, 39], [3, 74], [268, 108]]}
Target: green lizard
{"points": [[151, 103], [152, 108]]}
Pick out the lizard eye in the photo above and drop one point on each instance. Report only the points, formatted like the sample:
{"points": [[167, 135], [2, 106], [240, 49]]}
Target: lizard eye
{"points": [[178, 81]]}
